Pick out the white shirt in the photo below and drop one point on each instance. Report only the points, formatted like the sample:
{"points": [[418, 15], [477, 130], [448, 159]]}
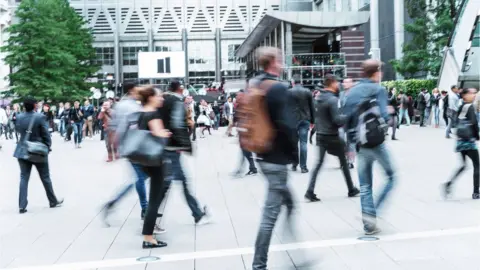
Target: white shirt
{"points": [[230, 104], [3, 117]]}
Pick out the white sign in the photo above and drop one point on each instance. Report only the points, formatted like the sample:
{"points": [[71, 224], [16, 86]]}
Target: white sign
{"points": [[161, 65], [110, 94], [97, 95]]}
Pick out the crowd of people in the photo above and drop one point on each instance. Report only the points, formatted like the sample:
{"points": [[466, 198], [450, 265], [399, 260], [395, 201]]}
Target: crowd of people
{"points": [[273, 124]]}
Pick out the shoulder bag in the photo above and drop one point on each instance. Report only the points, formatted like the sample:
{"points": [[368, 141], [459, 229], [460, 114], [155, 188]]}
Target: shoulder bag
{"points": [[36, 152]]}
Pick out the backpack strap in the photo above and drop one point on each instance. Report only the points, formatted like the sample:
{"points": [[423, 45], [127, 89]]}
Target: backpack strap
{"points": [[463, 113]]}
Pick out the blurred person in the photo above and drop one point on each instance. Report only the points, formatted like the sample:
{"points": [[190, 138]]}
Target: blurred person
{"points": [[49, 116], [422, 105], [36, 126], [370, 99], [151, 119], [189, 116], [76, 119], [411, 109], [435, 100], [303, 109], [9, 127], [228, 114], [444, 106], [173, 115], [3, 121], [452, 109], [204, 121], [467, 135], [350, 146], [65, 116], [476, 104], [61, 127], [313, 130], [88, 115], [105, 116], [328, 122], [14, 115], [274, 162], [216, 111], [392, 110], [404, 102], [124, 115]]}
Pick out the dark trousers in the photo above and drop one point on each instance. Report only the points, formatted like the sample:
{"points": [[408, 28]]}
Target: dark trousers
{"points": [[248, 156], [445, 117], [336, 147], [422, 116], [44, 172], [473, 155], [154, 199]]}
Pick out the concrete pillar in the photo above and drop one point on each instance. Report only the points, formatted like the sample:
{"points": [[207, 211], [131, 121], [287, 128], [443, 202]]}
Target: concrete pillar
{"points": [[399, 10], [289, 48], [116, 48], [282, 40], [185, 51], [276, 37], [218, 55], [374, 33], [150, 31]]}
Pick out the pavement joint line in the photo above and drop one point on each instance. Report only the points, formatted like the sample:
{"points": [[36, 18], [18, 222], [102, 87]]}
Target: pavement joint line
{"points": [[175, 257]]}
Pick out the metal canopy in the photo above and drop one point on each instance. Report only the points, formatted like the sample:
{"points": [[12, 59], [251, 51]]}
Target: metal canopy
{"points": [[311, 25]]}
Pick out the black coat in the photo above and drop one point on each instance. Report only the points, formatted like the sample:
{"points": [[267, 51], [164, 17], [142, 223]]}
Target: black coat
{"points": [[39, 131]]}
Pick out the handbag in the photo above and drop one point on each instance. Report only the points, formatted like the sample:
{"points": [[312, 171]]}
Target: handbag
{"points": [[36, 152], [142, 147]]}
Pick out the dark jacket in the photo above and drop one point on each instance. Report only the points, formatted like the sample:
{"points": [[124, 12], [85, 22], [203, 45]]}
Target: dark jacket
{"points": [[173, 115], [88, 111], [39, 131], [328, 118], [281, 115], [74, 115], [302, 103], [472, 118]]}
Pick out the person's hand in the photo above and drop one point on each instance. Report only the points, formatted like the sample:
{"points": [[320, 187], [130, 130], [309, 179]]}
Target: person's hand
{"points": [[165, 133], [71, 121]]}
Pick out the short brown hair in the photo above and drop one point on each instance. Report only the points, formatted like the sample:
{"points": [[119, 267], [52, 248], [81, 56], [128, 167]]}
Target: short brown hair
{"points": [[370, 67], [266, 56], [329, 79], [146, 92]]}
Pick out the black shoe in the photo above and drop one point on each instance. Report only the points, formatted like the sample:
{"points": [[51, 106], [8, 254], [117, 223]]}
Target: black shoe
{"points": [[148, 245], [372, 231], [304, 170], [475, 196], [351, 166], [22, 210], [353, 193], [251, 173], [394, 139], [57, 204], [312, 197], [294, 168]]}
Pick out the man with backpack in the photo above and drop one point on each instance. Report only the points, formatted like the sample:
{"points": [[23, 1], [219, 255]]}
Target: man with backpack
{"points": [[422, 106], [403, 109], [268, 129], [366, 108], [452, 109], [328, 121]]}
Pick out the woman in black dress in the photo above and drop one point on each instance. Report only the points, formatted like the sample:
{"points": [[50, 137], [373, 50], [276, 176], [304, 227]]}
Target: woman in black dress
{"points": [[151, 120]]}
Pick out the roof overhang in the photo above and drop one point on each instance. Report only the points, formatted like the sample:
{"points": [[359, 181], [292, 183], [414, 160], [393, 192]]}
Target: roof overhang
{"points": [[311, 25]]}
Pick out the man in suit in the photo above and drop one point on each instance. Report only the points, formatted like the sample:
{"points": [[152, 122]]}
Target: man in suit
{"points": [[228, 112], [39, 133]]}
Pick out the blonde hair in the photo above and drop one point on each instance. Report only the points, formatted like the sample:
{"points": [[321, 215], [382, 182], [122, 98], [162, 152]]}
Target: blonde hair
{"points": [[435, 90], [267, 55]]}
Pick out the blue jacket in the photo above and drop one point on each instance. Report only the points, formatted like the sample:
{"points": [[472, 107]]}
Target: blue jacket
{"points": [[39, 131], [360, 92]]}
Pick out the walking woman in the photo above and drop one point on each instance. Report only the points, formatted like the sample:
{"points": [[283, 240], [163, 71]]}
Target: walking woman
{"points": [[151, 120], [435, 100], [204, 120], [15, 113], [467, 135]]}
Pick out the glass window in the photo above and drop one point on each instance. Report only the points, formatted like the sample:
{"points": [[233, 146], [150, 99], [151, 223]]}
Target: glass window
{"points": [[163, 49], [129, 55], [130, 75], [105, 56]]}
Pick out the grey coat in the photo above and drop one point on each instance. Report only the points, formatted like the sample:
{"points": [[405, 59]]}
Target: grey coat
{"points": [[39, 131]]}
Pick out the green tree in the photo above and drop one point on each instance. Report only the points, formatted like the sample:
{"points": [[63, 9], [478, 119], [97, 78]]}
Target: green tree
{"points": [[432, 25], [50, 51]]}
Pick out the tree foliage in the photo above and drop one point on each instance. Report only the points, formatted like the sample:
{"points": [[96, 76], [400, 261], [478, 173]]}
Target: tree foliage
{"points": [[50, 51], [411, 87], [433, 22]]}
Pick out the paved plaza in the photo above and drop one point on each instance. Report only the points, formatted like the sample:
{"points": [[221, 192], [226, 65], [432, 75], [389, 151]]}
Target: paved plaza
{"points": [[420, 229]]}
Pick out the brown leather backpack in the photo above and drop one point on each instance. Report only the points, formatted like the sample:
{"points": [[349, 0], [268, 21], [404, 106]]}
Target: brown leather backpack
{"points": [[255, 128]]}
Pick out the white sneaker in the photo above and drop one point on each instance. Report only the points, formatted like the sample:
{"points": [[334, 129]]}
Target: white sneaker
{"points": [[158, 230]]}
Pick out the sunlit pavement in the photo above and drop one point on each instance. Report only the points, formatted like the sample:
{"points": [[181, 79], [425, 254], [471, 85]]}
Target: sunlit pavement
{"points": [[420, 229]]}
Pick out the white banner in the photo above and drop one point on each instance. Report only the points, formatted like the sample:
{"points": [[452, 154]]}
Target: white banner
{"points": [[161, 65]]}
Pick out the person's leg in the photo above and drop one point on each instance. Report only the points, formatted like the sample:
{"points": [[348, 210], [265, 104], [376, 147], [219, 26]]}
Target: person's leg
{"points": [[401, 113], [382, 155], [249, 156], [422, 117], [108, 144], [436, 112], [312, 132], [84, 129], [80, 126], [473, 155], [194, 131], [25, 170], [365, 173], [316, 170], [427, 115], [277, 193], [394, 126], [459, 171], [140, 178], [90, 127], [303, 137], [44, 173], [75, 133], [346, 170], [155, 200]]}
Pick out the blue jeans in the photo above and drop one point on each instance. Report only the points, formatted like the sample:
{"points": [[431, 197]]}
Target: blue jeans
{"points": [[404, 112], [436, 115], [175, 172], [302, 129], [77, 131], [365, 159], [278, 195], [217, 121], [141, 177], [62, 127], [427, 115]]}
